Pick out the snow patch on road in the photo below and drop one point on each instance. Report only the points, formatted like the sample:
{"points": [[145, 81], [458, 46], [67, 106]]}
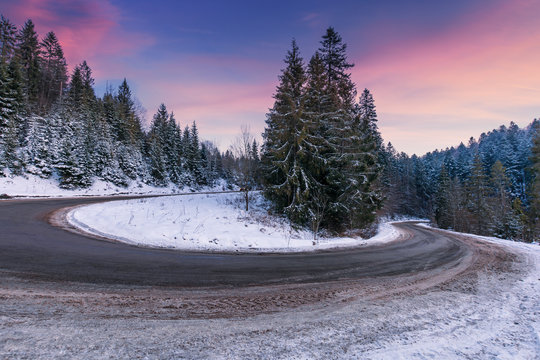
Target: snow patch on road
{"points": [[210, 222]]}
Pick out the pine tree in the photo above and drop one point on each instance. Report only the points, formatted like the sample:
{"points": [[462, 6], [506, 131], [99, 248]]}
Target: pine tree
{"points": [[126, 131], [317, 109], [442, 201], [38, 154], [75, 93], [368, 114], [477, 204], [129, 127], [338, 119], [105, 158], [338, 80], [69, 164], [8, 39], [157, 140], [173, 149], [364, 168], [534, 212], [54, 71], [351, 132], [287, 183], [28, 53], [12, 125], [194, 156], [506, 223]]}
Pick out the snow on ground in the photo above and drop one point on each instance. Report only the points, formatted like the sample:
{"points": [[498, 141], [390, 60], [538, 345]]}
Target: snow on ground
{"points": [[34, 186], [489, 314], [499, 241], [211, 222]]}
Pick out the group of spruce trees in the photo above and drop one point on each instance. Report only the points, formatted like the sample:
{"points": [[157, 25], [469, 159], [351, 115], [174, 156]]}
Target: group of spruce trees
{"points": [[489, 187], [54, 128], [321, 147], [322, 163]]}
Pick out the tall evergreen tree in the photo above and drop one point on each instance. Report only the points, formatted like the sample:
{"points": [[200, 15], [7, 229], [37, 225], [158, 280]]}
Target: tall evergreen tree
{"points": [[506, 223], [129, 127], [70, 164], [28, 53], [157, 140], [13, 126], [193, 156], [76, 93], [442, 202], [38, 154], [173, 149], [334, 56], [287, 182], [54, 71], [534, 213], [477, 190], [351, 131], [368, 115], [8, 39]]}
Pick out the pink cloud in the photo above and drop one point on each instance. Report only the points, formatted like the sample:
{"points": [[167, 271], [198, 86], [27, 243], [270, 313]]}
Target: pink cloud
{"points": [[87, 30], [471, 77], [218, 109], [218, 92]]}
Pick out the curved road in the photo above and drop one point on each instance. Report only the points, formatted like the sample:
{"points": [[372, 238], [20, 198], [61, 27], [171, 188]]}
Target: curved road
{"points": [[31, 247]]}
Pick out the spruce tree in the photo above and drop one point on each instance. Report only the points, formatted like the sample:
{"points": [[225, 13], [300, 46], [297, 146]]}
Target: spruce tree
{"points": [[505, 223], [13, 126], [368, 115], [354, 142], [442, 201], [129, 128], [70, 161], [39, 158], [28, 53], [363, 167], [477, 203], [534, 213], [8, 39], [287, 182], [317, 109], [172, 149], [194, 156], [75, 94], [157, 140], [338, 79], [105, 159], [54, 71]]}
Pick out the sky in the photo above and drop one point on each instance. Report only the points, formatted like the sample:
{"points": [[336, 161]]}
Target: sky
{"points": [[440, 71]]}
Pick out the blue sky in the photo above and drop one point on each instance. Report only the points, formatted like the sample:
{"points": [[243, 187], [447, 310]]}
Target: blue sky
{"points": [[440, 71]]}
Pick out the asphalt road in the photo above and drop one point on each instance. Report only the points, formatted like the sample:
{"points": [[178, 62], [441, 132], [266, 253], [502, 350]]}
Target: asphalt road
{"points": [[31, 247]]}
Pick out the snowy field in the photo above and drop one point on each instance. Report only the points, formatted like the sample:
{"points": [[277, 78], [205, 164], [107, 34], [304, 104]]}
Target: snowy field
{"points": [[216, 222], [34, 186]]}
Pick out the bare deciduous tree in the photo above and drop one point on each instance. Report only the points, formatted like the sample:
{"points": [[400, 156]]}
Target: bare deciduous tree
{"points": [[242, 148]]}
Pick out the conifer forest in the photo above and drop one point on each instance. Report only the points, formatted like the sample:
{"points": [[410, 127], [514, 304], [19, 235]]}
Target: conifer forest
{"points": [[322, 163]]}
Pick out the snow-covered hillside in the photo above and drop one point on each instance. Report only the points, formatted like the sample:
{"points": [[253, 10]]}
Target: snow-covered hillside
{"points": [[216, 222], [35, 186]]}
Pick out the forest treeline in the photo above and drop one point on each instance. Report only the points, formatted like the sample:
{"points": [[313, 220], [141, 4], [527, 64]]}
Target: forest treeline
{"points": [[491, 186], [54, 125], [323, 163]]}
